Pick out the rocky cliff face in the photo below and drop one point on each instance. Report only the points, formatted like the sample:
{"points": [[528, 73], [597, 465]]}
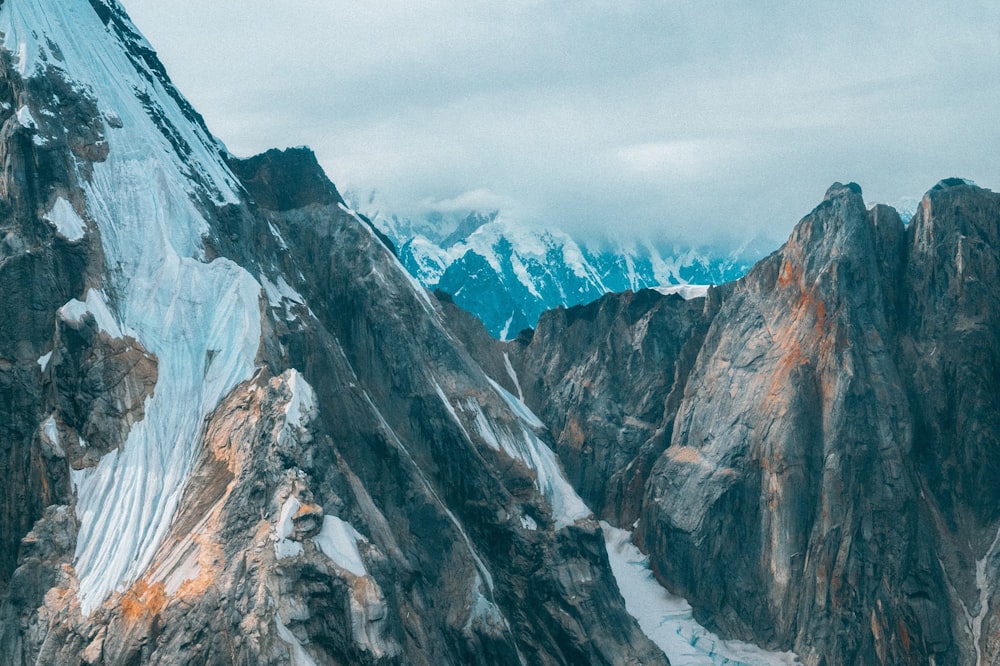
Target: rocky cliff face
{"points": [[610, 439], [794, 436], [823, 432], [234, 429]]}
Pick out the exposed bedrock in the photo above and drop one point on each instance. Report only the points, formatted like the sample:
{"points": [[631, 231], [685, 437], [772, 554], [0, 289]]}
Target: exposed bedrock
{"points": [[815, 445]]}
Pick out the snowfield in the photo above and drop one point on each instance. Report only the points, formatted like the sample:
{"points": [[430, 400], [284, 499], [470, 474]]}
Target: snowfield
{"points": [[201, 320]]}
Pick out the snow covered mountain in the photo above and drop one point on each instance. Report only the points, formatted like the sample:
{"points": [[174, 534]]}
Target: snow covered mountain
{"points": [[234, 429], [507, 274]]}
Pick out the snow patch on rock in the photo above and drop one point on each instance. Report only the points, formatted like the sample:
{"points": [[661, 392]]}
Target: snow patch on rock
{"points": [[300, 410], [513, 376], [281, 296], [283, 546], [299, 655], [66, 220], [25, 119], [685, 291], [524, 445], [50, 436], [96, 305], [339, 541]]}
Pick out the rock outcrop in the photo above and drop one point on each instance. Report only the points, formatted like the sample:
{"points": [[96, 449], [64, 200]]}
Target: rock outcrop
{"points": [[283, 180], [825, 481]]}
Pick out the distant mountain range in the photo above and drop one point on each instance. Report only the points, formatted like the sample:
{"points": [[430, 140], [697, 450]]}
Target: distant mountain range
{"points": [[508, 274]]}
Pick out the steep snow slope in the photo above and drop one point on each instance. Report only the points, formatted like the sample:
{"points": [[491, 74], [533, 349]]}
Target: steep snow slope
{"points": [[201, 319]]}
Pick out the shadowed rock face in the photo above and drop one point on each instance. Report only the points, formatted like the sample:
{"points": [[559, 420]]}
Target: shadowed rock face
{"points": [[951, 323], [282, 180], [827, 483], [616, 362], [39, 272], [606, 378]]}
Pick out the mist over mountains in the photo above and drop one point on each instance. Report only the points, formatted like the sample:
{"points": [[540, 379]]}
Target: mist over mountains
{"points": [[508, 273]]}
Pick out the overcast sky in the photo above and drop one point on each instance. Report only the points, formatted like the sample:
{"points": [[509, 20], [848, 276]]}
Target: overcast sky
{"points": [[684, 118]]}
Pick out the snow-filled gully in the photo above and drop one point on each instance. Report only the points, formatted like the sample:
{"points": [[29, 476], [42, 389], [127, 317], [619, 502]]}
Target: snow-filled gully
{"points": [[665, 618]]}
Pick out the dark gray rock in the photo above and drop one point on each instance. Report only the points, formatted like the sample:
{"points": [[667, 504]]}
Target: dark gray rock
{"points": [[284, 180], [601, 376]]}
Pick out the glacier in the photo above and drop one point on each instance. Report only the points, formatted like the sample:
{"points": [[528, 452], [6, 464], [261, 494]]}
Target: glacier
{"points": [[200, 319], [667, 619]]}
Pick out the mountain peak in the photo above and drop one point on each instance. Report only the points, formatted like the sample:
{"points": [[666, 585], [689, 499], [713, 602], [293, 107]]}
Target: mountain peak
{"points": [[947, 183], [841, 190], [283, 180]]}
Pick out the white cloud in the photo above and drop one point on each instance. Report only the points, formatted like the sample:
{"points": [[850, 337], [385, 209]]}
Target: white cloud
{"points": [[679, 161], [683, 117], [474, 200]]}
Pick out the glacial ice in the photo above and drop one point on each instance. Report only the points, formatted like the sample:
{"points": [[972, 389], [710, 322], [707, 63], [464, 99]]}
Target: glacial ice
{"points": [[201, 320], [517, 406], [985, 587], [667, 619]]}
